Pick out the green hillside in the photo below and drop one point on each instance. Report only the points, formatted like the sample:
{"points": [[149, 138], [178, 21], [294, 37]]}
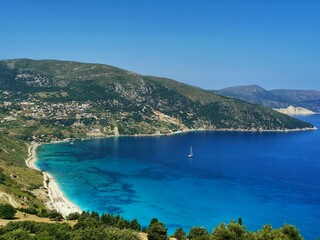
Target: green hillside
{"points": [[15, 178], [59, 99]]}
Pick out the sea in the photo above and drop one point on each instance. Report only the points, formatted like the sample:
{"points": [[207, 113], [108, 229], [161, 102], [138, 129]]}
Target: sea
{"points": [[261, 177]]}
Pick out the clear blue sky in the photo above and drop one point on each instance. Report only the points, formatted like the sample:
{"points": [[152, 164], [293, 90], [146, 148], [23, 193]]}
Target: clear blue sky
{"points": [[210, 44]]}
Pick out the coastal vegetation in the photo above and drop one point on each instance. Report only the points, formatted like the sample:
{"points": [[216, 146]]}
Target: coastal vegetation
{"points": [[17, 181], [107, 227]]}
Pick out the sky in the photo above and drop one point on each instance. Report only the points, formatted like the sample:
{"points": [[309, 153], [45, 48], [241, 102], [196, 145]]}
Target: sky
{"points": [[206, 43]]}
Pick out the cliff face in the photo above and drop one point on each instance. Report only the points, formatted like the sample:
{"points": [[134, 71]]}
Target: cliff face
{"points": [[291, 110], [70, 99]]}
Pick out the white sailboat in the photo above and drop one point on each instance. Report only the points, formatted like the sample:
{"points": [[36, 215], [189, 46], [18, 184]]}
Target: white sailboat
{"points": [[190, 155]]}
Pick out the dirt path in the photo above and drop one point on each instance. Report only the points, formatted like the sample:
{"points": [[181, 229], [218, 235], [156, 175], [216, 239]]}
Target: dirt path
{"points": [[10, 199]]}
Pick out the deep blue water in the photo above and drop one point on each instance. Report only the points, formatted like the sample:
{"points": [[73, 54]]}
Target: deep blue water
{"points": [[262, 177]]}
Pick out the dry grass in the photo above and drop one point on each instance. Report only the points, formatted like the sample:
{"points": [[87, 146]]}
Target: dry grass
{"points": [[20, 216]]}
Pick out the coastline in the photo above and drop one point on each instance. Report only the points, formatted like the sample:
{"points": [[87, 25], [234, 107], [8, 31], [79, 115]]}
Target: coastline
{"points": [[59, 201]]}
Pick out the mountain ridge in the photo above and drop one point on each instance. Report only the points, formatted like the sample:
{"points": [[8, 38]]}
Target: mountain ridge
{"points": [[56, 99], [275, 98]]}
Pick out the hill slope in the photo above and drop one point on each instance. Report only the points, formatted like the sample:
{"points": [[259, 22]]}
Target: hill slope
{"points": [[309, 99], [59, 99], [281, 98]]}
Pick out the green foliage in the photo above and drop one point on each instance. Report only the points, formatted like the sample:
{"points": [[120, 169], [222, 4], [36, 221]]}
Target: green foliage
{"points": [[12, 150], [180, 234], [108, 233], [73, 216], [46, 231], [17, 234], [198, 233], [54, 215], [291, 232], [134, 225], [236, 231], [2, 178], [157, 230], [30, 210], [7, 211], [90, 227]]}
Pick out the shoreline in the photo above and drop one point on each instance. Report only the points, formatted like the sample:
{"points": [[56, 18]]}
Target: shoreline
{"points": [[253, 130], [59, 201]]}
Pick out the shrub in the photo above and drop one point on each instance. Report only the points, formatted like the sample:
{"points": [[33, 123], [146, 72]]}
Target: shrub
{"points": [[29, 210], [198, 233], [180, 234], [7, 211], [157, 230], [73, 216]]}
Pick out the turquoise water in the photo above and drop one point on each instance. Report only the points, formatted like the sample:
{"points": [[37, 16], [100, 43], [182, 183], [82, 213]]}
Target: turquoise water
{"points": [[262, 177]]}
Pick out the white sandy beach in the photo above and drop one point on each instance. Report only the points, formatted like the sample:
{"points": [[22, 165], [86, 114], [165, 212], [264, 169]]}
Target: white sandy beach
{"points": [[59, 201]]}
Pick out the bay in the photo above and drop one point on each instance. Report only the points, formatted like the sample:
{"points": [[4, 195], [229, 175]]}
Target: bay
{"points": [[261, 177]]}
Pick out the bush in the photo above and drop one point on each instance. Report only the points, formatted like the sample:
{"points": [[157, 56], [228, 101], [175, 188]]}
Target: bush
{"points": [[2, 178], [291, 232], [198, 233], [73, 216], [179, 234], [134, 225], [7, 211], [232, 231], [54, 215], [31, 210], [157, 230]]}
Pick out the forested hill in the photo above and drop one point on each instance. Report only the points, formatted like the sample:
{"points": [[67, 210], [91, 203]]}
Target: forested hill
{"points": [[60, 99]]}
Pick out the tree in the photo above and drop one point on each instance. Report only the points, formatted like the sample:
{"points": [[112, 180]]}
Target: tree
{"points": [[236, 230], [73, 216], [220, 232], [16, 234], [232, 231], [95, 215], [157, 230], [134, 225], [198, 233], [54, 215], [7, 211], [291, 232], [180, 234], [153, 220]]}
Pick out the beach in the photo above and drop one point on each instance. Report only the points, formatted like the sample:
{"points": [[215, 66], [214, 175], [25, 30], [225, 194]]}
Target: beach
{"points": [[59, 201]]}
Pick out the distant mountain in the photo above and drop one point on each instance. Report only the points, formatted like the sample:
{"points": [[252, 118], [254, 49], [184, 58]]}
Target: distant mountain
{"points": [[309, 99], [282, 98], [58, 99]]}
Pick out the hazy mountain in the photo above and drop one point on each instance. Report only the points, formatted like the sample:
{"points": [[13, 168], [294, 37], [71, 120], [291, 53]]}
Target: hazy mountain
{"points": [[309, 99], [63, 97], [281, 98]]}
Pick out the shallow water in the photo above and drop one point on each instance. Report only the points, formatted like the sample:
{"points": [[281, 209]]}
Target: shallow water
{"points": [[262, 177]]}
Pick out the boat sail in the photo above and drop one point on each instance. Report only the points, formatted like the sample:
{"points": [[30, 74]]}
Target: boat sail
{"points": [[190, 155]]}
